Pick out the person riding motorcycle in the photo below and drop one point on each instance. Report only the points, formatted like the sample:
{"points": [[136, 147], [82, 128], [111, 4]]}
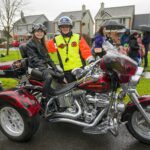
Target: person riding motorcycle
{"points": [[72, 50], [38, 58]]}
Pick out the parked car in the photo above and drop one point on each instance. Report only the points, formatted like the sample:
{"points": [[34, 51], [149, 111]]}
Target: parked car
{"points": [[15, 44]]}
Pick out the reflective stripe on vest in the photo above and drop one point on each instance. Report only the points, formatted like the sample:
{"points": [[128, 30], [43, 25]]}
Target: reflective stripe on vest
{"points": [[73, 56]]}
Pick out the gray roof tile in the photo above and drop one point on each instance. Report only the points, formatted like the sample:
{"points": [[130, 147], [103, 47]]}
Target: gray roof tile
{"points": [[126, 11], [74, 15], [141, 19], [29, 19]]}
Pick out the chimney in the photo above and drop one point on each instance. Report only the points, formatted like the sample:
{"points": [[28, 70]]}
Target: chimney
{"points": [[102, 9], [83, 9], [22, 17]]}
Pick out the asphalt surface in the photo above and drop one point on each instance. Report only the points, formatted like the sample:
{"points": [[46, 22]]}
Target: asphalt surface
{"points": [[63, 136]]}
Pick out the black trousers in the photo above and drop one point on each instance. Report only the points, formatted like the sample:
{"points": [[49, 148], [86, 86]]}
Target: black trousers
{"points": [[47, 77], [69, 76]]}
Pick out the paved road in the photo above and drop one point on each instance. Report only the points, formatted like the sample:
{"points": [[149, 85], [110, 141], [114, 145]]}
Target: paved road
{"points": [[62, 136]]}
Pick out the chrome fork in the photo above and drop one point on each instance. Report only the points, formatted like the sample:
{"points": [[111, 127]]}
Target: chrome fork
{"points": [[133, 95]]}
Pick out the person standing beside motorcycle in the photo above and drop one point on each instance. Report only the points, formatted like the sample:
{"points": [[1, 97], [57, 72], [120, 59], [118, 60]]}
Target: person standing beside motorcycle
{"points": [[72, 50], [125, 38], [99, 39], [38, 58], [134, 48], [146, 42]]}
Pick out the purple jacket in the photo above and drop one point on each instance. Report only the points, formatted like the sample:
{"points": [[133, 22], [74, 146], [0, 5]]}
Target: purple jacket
{"points": [[99, 39]]}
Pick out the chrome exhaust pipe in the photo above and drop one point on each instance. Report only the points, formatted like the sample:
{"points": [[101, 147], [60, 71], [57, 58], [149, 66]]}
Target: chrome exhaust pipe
{"points": [[70, 115], [98, 118]]}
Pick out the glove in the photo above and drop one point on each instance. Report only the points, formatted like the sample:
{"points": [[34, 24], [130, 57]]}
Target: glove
{"points": [[91, 60], [101, 54]]}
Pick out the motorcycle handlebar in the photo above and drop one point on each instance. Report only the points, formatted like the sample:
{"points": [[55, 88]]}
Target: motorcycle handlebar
{"points": [[88, 68]]}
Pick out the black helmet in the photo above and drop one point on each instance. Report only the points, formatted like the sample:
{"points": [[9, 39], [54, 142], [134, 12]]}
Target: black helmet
{"points": [[65, 21], [37, 27]]}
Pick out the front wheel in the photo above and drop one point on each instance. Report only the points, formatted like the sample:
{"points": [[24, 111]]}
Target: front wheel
{"points": [[16, 124], [138, 126]]}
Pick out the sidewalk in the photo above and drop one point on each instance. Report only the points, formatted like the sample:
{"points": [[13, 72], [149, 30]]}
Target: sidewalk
{"points": [[146, 75]]}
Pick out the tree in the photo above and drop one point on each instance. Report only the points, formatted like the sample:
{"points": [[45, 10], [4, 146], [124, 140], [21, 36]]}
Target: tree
{"points": [[8, 12]]}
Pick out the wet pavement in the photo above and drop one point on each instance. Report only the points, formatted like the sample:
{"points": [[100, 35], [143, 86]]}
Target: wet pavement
{"points": [[62, 136]]}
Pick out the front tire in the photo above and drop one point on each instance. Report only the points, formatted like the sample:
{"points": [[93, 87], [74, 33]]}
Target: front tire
{"points": [[16, 124], [138, 126]]}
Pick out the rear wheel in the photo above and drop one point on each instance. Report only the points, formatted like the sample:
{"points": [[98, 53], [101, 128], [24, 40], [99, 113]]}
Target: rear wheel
{"points": [[16, 124], [138, 126]]}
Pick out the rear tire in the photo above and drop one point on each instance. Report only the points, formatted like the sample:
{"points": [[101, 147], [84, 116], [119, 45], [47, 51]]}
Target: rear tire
{"points": [[138, 127], [16, 124]]}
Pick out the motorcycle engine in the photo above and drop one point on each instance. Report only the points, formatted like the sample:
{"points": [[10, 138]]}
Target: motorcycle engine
{"points": [[67, 100], [94, 102], [100, 100]]}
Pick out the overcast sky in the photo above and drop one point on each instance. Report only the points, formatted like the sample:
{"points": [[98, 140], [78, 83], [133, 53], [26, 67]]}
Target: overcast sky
{"points": [[52, 8]]}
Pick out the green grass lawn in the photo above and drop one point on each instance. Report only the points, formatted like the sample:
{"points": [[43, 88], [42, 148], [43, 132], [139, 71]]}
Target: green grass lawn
{"points": [[13, 55], [143, 87]]}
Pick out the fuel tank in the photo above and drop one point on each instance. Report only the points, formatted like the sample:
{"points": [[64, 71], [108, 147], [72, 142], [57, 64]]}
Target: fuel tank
{"points": [[100, 84]]}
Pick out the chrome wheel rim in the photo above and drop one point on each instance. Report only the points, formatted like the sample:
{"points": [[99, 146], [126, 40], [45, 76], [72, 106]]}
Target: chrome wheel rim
{"points": [[11, 121], [140, 125]]}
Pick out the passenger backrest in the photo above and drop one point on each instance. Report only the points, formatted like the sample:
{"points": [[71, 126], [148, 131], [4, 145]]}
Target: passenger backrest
{"points": [[23, 50]]}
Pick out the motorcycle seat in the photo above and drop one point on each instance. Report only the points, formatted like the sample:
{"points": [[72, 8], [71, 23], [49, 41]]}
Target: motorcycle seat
{"points": [[65, 88]]}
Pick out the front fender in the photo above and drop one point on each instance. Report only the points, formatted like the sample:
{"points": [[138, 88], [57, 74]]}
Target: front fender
{"points": [[21, 98], [143, 100]]}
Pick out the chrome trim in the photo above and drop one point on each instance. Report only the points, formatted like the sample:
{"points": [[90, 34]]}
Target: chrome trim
{"points": [[97, 119], [132, 94], [70, 115]]}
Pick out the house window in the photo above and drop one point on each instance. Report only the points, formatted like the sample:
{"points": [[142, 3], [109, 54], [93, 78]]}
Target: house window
{"points": [[20, 28], [123, 20]]}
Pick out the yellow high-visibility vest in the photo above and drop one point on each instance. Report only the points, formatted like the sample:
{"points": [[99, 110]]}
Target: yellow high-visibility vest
{"points": [[72, 59]]}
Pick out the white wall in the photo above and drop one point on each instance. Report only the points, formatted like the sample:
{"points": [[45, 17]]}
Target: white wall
{"points": [[76, 27], [88, 27]]}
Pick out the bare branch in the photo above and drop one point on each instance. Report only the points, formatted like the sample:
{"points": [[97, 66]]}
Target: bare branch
{"points": [[8, 11]]}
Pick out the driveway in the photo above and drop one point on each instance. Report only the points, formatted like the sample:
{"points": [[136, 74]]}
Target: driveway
{"points": [[62, 136]]}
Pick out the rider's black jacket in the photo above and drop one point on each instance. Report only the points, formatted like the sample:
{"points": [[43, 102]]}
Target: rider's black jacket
{"points": [[38, 56]]}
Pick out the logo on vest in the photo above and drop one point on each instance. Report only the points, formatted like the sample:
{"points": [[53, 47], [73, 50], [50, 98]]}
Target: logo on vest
{"points": [[74, 44], [62, 45]]}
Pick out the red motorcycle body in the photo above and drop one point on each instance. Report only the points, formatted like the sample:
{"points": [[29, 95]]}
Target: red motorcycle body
{"points": [[21, 98], [101, 85], [122, 65]]}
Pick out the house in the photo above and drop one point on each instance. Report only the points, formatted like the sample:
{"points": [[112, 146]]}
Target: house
{"points": [[22, 28], [123, 15], [141, 19], [82, 20]]}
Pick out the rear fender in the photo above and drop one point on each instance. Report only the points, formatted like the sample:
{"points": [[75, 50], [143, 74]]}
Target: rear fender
{"points": [[21, 98], [144, 101]]}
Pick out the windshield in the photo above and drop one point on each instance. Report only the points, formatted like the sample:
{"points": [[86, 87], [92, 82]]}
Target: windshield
{"points": [[123, 65], [108, 46]]}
